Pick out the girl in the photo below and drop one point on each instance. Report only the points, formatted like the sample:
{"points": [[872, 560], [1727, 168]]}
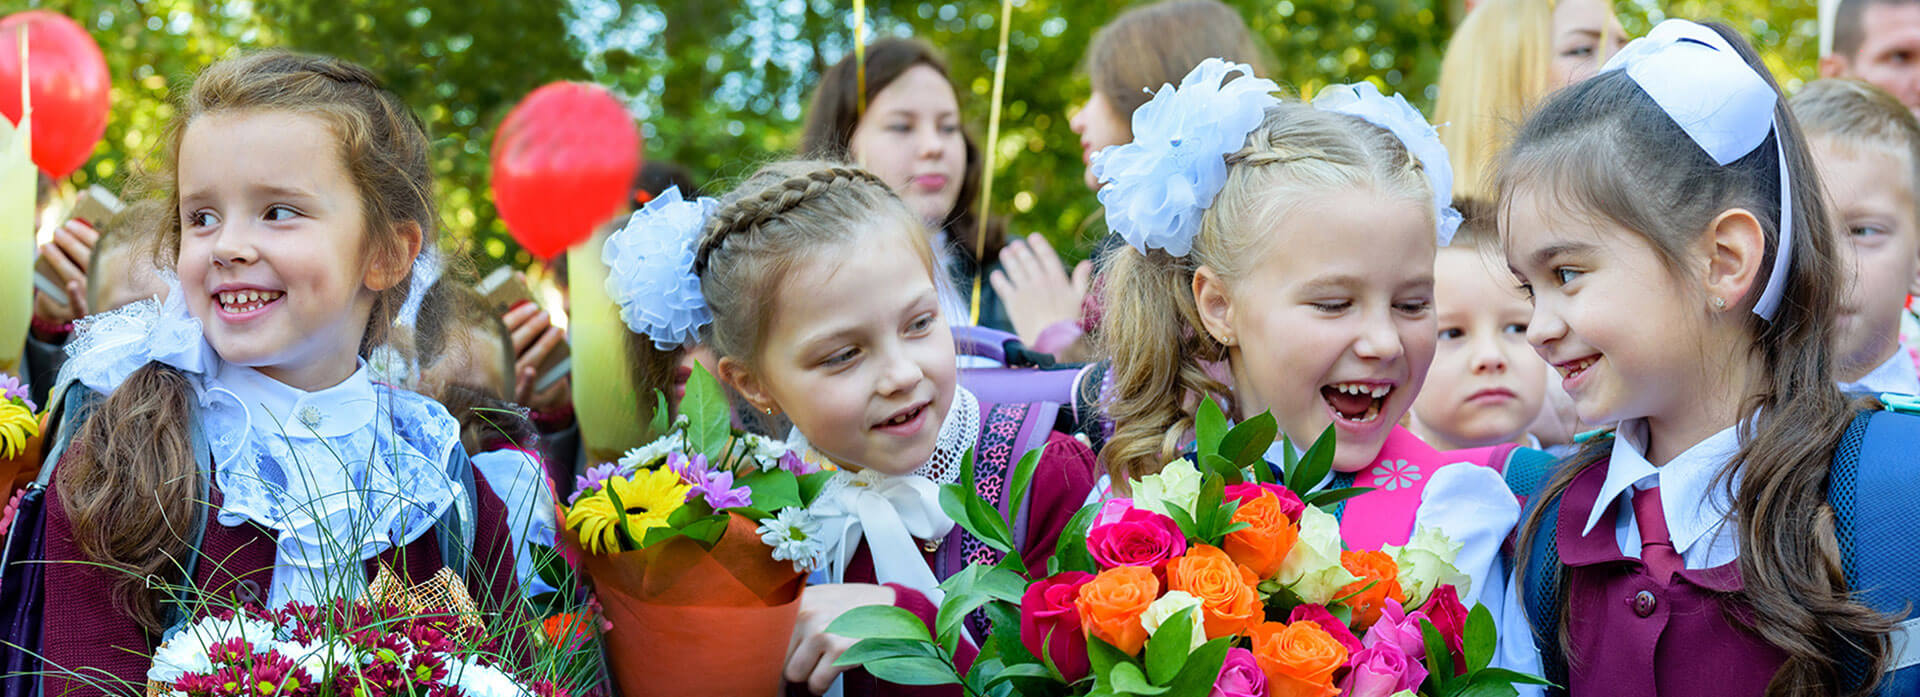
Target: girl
{"points": [[824, 307], [303, 197], [1667, 222], [1269, 293]]}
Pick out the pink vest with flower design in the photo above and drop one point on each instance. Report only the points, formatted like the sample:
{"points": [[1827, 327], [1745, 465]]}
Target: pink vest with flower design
{"points": [[1398, 476]]}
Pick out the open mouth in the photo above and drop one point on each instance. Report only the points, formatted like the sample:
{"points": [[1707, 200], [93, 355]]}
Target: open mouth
{"points": [[907, 420], [1356, 402], [1575, 368], [240, 302]]}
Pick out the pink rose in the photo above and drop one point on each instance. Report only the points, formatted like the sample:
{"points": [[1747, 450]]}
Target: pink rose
{"points": [[1048, 616], [1135, 538], [1290, 502], [1318, 614], [1111, 512], [1240, 676], [1450, 617], [1399, 628], [1381, 670]]}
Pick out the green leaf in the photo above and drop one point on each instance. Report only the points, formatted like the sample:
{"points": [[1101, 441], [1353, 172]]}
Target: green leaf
{"points": [[773, 489], [1209, 427], [988, 525], [1103, 657], [1127, 678], [750, 513], [1006, 634], [1439, 660], [662, 415], [709, 422], [1315, 465], [1168, 647], [1000, 584], [1024, 670], [1023, 475], [880, 622], [1509, 676], [812, 484], [1202, 669], [1247, 442], [1329, 497], [1183, 519], [966, 471], [1480, 639], [1070, 551], [914, 670], [1215, 464], [869, 650], [1486, 689]]}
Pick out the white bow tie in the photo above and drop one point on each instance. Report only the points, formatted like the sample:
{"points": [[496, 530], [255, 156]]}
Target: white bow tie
{"points": [[891, 513]]}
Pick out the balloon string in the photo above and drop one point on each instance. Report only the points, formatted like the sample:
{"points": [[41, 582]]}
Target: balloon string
{"points": [[993, 148], [860, 57]]}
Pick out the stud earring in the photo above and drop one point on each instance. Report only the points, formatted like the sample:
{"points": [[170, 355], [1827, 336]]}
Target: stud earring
{"points": [[1719, 303], [769, 411]]}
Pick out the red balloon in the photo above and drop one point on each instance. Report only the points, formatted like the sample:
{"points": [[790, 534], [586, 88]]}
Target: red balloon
{"points": [[562, 164], [69, 87]]}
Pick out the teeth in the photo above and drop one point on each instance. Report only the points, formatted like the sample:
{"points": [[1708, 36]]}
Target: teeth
{"points": [[1354, 388], [246, 300]]}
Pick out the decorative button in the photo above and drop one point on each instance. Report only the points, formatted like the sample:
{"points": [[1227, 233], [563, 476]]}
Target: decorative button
{"points": [[250, 593], [1644, 603], [931, 546], [311, 416]]}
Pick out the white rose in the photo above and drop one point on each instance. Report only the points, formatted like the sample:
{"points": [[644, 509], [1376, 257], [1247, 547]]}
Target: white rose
{"points": [[1312, 570], [1169, 605], [1178, 483], [1426, 564]]}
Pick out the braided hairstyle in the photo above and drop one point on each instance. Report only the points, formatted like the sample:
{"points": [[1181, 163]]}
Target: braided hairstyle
{"points": [[1164, 360], [775, 221]]}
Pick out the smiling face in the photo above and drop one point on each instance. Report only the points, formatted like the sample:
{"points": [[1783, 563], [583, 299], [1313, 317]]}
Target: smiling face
{"points": [[273, 246], [1325, 330], [1585, 34], [911, 138], [1872, 191], [857, 355], [1099, 126], [1487, 384]]}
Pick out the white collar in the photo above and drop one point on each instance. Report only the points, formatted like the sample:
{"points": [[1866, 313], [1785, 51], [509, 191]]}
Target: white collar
{"points": [[1897, 375], [278, 408], [1693, 505]]}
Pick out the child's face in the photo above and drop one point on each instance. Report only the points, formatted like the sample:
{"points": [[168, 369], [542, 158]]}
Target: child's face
{"points": [[857, 355], [1329, 330], [1099, 125], [273, 252], [1872, 192], [1585, 34], [1623, 334], [477, 359], [1486, 384], [122, 276], [911, 139]]}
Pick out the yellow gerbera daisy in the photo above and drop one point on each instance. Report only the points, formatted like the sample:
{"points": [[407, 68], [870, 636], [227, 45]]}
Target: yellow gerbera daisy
{"points": [[17, 426], [644, 503]]}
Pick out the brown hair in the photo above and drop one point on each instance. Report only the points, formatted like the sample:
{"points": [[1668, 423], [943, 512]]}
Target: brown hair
{"points": [[1494, 72], [457, 324], [137, 443], [774, 221], [1152, 330], [1861, 115], [130, 230], [1605, 149], [835, 113], [1154, 45], [1849, 27]]}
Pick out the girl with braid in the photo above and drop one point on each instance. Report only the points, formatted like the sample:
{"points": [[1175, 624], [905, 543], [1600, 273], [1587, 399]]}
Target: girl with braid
{"points": [[820, 289]]}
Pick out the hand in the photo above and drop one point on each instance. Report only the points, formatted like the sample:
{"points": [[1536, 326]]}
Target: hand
{"points": [[534, 338], [71, 254], [1036, 289], [812, 651]]}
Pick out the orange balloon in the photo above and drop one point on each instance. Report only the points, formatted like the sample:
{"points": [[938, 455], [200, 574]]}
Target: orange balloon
{"points": [[563, 161]]}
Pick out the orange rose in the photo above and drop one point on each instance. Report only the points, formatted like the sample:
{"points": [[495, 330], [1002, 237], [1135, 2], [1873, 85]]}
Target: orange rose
{"points": [[1378, 569], [1225, 589], [1299, 659], [1262, 545], [1111, 603]]}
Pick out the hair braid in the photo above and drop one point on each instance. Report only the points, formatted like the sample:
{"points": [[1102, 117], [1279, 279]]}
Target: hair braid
{"points": [[749, 214]]}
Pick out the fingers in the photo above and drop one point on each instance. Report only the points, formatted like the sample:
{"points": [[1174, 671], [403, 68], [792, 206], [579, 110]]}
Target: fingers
{"points": [[77, 298], [804, 658], [1018, 261], [77, 240], [824, 671], [536, 355], [1047, 259], [62, 264], [1002, 286], [1083, 277], [526, 324]]}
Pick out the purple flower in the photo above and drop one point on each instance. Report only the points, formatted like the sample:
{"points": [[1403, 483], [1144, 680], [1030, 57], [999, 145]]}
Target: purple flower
{"points": [[792, 462], [716, 486], [1240, 676], [595, 478], [12, 388]]}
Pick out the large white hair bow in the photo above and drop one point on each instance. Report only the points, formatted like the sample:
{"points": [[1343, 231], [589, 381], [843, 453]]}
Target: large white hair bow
{"points": [[1364, 101], [650, 270]]}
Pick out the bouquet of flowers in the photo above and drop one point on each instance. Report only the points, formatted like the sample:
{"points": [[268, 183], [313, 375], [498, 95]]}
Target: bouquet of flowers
{"points": [[347, 649], [702, 529], [20, 434], [1212, 580]]}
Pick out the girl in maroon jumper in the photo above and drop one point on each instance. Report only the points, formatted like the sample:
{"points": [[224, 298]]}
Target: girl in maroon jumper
{"points": [[1667, 223], [302, 199], [824, 308]]}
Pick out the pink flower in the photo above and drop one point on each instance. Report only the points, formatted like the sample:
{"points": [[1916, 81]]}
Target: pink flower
{"points": [[1398, 627], [1290, 502], [1318, 614], [1050, 623], [1137, 538], [1381, 670], [1112, 511], [1450, 617], [13, 508], [1240, 676]]}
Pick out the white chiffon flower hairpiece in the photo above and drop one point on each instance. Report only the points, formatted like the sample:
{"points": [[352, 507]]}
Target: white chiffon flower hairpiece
{"points": [[1364, 101], [1158, 186], [650, 270]]}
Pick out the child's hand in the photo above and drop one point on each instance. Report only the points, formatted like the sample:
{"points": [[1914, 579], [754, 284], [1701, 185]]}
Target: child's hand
{"points": [[534, 336], [1035, 288], [71, 253], [812, 651]]}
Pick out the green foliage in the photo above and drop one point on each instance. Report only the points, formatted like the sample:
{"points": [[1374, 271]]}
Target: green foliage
{"points": [[721, 85]]}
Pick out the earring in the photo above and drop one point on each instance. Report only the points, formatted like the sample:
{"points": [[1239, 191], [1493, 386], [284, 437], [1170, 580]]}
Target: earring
{"points": [[769, 411], [1719, 303], [1228, 340]]}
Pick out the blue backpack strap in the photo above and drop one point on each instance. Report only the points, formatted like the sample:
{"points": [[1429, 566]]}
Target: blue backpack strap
{"points": [[1875, 534], [456, 528], [1544, 592], [1527, 470]]}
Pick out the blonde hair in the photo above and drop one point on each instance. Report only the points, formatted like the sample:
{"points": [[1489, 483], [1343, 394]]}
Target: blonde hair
{"points": [[1861, 115], [1494, 72], [1161, 352], [774, 221]]}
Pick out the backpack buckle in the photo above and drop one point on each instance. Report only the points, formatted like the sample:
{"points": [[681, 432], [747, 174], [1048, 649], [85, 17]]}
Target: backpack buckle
{"points": [[1903, 403]]}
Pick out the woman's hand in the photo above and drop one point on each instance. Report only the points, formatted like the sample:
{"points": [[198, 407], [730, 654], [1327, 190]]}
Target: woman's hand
{"points": [[71, 254], [812, 651], [534, 338], [1036, 289]]}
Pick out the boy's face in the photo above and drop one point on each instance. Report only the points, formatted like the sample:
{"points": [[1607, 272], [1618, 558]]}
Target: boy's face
{"points": [[1889, 55], [1486, 384], [1873, 194], [123, 275]]}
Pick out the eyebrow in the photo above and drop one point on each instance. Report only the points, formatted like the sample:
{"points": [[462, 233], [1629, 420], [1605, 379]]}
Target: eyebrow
{"points": [[1548, 253]]}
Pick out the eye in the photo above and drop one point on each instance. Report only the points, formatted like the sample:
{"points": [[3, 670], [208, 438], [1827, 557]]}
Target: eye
{"points": [[1451, 333], [841, 357], [1900, 57], [1515, 328], [277, 214], [1414, 308], [949, 129], [1581, 51], [201, 219], [1526, 289], [899, 127], [1565, 275], [1867, 230], [1332, 307], [920, 324]]}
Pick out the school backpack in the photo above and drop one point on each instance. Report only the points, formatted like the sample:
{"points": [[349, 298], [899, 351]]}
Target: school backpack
{"points": [[1875, 535], [22, 560], [1022, 375]]}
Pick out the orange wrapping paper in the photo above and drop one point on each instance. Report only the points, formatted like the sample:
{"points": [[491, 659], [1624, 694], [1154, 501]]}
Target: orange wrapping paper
{"points": [[690, 622]]}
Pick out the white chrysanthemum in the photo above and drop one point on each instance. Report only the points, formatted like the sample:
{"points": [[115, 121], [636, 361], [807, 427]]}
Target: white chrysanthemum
{"points": [[477, 680], [186, 651], [1363, 100], [766, 451], [794, 535], [647, 455], [1158, 186], [650, 270]]}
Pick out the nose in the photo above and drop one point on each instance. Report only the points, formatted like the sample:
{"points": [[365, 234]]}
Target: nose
{"points": [[233, 244], [1077, 120], [898, 373], [1379, 340], [1489, 356], [933, 144], [1545, 327]]}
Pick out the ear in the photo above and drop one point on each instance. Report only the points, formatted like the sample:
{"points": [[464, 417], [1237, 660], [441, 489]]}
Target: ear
{"points": [[737, 375], [1216, 307], [1834, 66], [1738, 246], [386, 272]]}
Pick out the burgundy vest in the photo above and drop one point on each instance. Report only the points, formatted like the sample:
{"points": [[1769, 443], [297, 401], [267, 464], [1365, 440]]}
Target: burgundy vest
{"points": [[1632, 635]]}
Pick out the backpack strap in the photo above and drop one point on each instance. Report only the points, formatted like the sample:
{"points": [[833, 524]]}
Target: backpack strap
{"points": [[1874, 534], [456, 528], [1544, 592], [1527, 470], [1008, 431]]}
